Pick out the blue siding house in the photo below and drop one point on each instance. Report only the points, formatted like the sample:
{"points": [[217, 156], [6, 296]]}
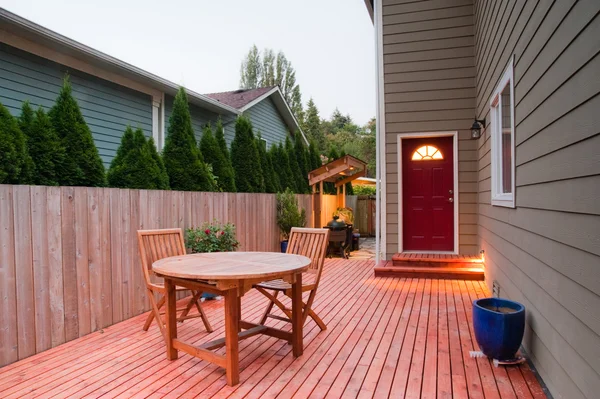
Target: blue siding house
{"points": [[113, 94]]}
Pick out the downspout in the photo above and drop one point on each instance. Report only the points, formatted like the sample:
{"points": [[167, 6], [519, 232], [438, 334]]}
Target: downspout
{"points": [[380, 134]]}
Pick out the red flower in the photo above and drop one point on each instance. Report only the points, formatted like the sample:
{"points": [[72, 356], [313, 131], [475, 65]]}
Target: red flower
{"points": [[222, 233], [207, 231]]}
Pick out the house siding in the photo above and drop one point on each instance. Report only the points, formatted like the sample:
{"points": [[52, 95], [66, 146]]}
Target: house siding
{"points": [[266, 119], [106, 107], [429, 86], [545, 253]]}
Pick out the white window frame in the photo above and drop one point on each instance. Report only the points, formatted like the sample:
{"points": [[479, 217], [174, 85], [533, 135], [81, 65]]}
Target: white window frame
{"points": [[498, 197]]}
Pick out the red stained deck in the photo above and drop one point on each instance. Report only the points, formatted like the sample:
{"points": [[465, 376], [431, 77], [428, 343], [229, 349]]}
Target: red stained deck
{"points": [[386, 337]]}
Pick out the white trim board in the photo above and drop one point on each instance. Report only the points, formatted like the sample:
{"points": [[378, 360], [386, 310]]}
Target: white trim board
{"points": [[402, 136]]}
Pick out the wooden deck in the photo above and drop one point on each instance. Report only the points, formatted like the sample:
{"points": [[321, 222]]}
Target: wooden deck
{"points": [[386, 337]]}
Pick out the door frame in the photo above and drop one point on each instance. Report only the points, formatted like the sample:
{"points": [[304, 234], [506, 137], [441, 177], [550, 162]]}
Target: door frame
{"points": [[405, 136]]}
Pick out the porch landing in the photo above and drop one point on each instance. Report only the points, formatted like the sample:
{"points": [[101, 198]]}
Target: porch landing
{"points": [[386, 337], [438, 266]]}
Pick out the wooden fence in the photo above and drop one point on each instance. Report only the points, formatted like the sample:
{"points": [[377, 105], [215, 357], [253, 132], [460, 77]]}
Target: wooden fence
{"points": [[69, 260]]}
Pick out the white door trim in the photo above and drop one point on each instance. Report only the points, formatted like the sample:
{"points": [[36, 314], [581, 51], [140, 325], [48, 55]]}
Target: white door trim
{"points": [[402, 136]]}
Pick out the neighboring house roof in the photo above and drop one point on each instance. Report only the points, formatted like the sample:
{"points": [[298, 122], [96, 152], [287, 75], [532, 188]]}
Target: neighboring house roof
{"points": [[57, 42], [244, 99]]}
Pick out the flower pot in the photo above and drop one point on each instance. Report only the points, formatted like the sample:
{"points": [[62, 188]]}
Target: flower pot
{"points": [[284, 245], [499, 326]]}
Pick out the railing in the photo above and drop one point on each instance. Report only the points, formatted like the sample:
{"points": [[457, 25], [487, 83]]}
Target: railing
{"points": [[69, 260]]}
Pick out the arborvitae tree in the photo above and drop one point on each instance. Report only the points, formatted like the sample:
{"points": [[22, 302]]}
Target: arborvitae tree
{"points": [[245, 159], [271, 181], [82, 166], [135, 167], [163, 176], [281, 165], [228, 176], [314, 157], [276, 186], [312, 125], [15, 163], [303, 165], [183, 160], [295, 168], [213, 156], [45, 147]]}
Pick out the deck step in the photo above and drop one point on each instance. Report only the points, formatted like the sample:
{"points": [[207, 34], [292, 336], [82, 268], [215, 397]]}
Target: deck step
{"points": [[428, 260], [439, 272]]}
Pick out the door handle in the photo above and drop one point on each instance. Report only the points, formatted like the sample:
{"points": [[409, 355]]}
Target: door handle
{"points": [[450, 199], [450, 192]]}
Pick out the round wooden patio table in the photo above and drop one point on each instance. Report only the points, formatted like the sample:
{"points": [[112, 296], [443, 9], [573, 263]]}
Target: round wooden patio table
{"points": [[230, 274]]}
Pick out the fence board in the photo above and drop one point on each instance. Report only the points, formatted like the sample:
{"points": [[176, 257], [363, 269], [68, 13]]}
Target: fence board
{"points": [[69, 261], [24, 271], [41, 283], [8, 296]]}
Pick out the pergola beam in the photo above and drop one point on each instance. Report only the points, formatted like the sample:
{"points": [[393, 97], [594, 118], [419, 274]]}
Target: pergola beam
{"points": [[348, 179]]}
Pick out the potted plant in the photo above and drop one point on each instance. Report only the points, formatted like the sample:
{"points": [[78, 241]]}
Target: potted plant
{"points": [[345, 214], [288, 215], [212, 237], [499, 326]]}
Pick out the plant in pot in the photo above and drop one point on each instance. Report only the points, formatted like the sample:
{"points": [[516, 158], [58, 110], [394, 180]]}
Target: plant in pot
{"points": [[212, 237], [288, 215], [346, 214]]}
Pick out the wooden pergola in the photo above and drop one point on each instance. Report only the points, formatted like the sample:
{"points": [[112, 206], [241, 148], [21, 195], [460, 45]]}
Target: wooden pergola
{"points": [[339, 171]]}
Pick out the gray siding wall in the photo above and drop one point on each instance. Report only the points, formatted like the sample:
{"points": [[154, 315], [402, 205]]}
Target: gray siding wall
{"points": [[266, 119], [430, 87], [200, 117], [107, 108], [546, 252]]}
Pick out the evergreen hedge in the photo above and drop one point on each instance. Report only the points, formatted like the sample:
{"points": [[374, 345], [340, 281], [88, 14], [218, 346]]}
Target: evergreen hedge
{"points": [[228, 178], [298, 184], [281, 165], [303, 165], [16, 166], [213, 155], [181, 156], [45, 147], [269, 177], [135, 166], [245, 159], [163, 176], [82, 165]]}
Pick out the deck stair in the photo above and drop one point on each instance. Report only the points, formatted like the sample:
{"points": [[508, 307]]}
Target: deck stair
{"points": [[440, 266]]}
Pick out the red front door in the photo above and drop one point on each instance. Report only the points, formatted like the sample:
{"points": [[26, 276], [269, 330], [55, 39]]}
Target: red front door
{"points": [[428, 194]]}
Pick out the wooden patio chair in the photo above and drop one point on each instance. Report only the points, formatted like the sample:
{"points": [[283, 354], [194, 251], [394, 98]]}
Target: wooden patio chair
{"points": [[311, 243], [155, 245]]}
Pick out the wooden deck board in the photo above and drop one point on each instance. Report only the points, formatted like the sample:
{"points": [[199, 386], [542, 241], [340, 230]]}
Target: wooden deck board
{"points": [[386, 336]]}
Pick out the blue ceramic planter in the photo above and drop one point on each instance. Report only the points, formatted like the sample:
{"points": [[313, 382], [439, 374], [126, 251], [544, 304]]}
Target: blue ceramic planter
{"points": [[284, 245], [499, 326]]}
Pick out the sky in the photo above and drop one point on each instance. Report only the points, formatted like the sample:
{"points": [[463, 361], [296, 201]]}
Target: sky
{"points": [[201, 43]]}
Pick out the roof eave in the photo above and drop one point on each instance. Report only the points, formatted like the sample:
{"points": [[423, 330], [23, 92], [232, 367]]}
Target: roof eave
{"points": [[89, 54]]}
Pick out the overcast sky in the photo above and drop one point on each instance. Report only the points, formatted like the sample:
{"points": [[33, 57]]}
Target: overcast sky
{"points": [[200, 43]]}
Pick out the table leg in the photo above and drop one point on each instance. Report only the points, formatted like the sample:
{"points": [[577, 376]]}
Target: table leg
{"points": [[239, 308], [232, 327], [171, 318], [297, 344]]}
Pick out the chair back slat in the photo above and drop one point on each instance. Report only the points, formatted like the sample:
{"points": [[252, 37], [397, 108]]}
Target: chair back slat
{"points": [[311, 243], [158, 244]]}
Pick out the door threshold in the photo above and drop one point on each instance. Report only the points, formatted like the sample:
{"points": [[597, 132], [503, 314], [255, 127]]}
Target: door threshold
{"points": [[430, 252]]}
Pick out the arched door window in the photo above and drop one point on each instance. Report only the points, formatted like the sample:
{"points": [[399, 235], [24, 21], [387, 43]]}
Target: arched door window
{"points": [[427, 153]]}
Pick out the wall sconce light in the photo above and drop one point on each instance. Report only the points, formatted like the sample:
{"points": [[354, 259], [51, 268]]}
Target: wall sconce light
{"points": [[476, 128]]}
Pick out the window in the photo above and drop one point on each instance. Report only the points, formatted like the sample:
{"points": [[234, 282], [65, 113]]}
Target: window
{"points": [[264, 143], [503, 141], [427, 153]]}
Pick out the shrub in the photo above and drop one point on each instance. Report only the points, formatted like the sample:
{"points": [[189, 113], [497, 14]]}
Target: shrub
{"points": [[134, 166], [303, 165], [281, 166], [212, 237], [82, 165], [245, 159], [345, 214], [16, 166], [288, 213], [215, 158], [298, 182], [364, 190], [269, 177], [45, 147], [227, 174], [163, 176], [183, 160]]}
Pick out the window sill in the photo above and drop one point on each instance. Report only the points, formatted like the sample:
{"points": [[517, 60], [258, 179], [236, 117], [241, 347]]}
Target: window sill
{"points": [[507, 201]]}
